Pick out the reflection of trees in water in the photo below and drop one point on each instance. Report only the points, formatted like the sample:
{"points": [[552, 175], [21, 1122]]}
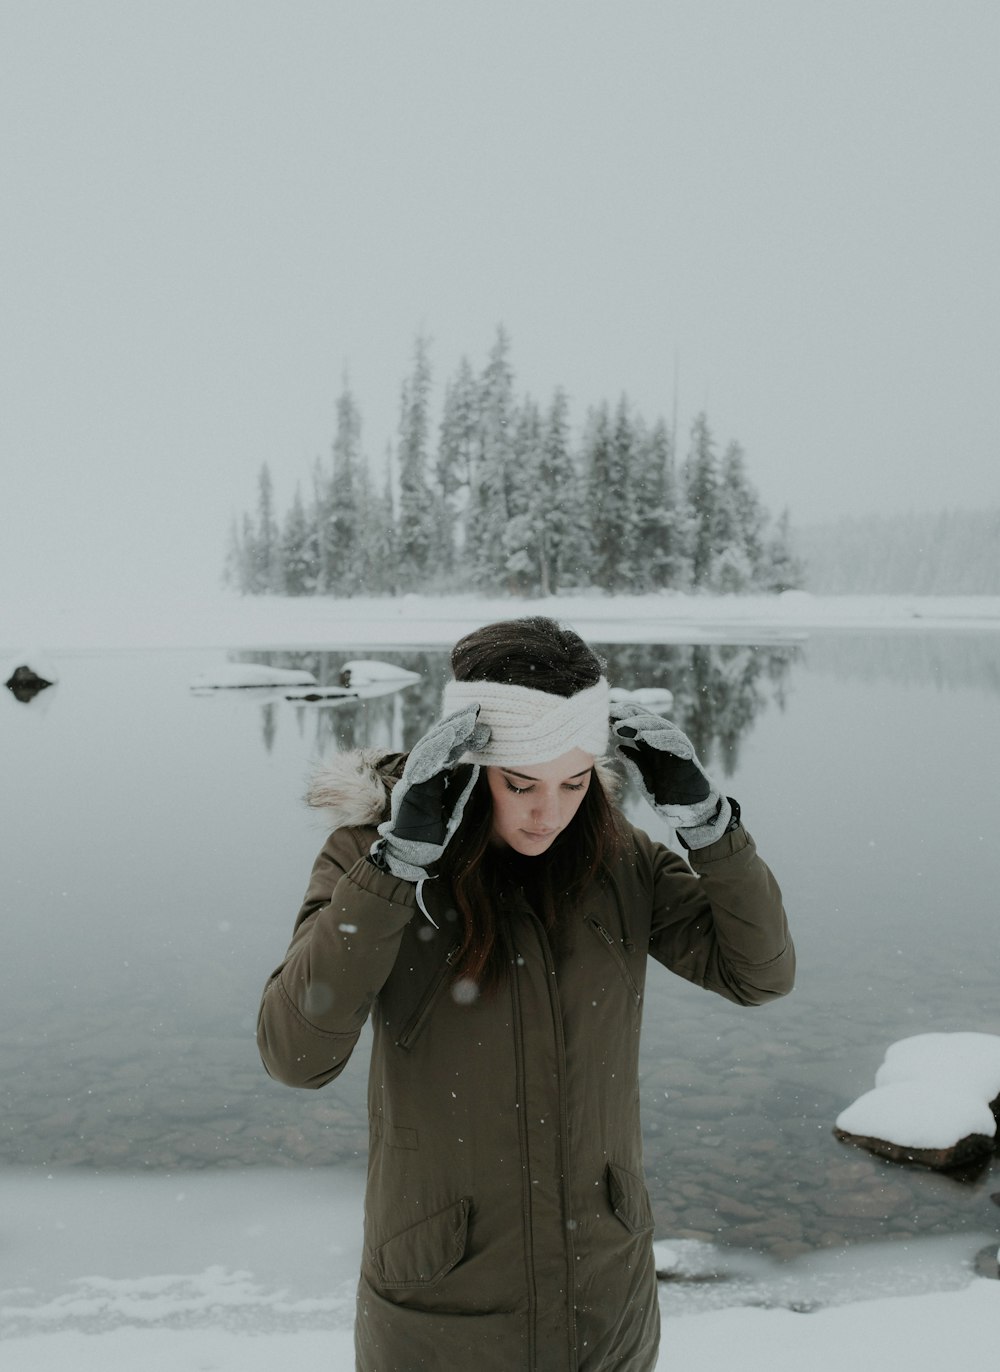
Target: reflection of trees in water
{"points": [[718, 692], [269, 724], [718, 689], [394, 721], [951, 659]]}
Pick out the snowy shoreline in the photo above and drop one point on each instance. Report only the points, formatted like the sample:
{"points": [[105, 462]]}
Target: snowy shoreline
{"points": [[231, 621], [242, 1270]]}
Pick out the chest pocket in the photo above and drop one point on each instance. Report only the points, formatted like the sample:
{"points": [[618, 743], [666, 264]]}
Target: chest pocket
{"points": [[413, 1027], [618, 957]]}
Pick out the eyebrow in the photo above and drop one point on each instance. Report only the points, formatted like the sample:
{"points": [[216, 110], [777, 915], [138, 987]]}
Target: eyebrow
{"points": [[525, 777]]}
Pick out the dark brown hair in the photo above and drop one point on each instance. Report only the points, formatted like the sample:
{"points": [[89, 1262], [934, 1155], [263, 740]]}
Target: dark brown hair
{"points": [[542, 654]]}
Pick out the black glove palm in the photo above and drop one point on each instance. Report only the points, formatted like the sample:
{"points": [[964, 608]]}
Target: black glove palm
{"points": [[663, 761], [428, 799]]}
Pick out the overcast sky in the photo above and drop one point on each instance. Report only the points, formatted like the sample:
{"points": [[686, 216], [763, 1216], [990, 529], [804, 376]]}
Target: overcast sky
{"points": [[209, 209]]}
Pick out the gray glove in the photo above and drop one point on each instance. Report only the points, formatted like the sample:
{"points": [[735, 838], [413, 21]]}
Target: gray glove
{"points": [[428, 799], [662, 760]]}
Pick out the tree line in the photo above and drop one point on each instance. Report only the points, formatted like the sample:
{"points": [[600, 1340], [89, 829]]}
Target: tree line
{"points": [[503, 500]]}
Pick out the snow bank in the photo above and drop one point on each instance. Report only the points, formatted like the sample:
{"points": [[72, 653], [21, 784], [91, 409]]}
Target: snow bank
{"points": [[921, 1333]]}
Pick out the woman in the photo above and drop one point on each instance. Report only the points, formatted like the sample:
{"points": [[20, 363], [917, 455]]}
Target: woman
{"points": [[497, 927]]}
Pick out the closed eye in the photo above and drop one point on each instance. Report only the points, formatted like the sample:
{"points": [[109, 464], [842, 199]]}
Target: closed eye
{"points": [[523, 790], [518, 790]]}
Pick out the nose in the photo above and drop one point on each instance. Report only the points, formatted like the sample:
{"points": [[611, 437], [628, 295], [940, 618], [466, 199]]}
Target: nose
{"points": [[546, 811]]}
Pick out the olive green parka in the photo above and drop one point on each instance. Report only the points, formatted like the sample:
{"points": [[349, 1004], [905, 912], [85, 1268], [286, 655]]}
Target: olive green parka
{"points": [[507, 1223]]}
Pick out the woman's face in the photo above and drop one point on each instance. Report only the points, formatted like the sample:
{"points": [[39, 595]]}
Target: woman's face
{"points": [[532, 805]]}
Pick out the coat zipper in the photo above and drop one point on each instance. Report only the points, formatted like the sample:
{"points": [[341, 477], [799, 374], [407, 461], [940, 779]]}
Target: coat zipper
{"points": [[522, 1129], [557, 1029], [618, 956], [428, 1000]]}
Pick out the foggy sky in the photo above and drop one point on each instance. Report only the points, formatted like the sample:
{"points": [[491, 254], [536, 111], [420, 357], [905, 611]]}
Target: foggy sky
{"points": [[210, 209]]}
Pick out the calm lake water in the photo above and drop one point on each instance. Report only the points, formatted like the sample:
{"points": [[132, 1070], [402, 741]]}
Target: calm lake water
{"points": [[155, 850]]}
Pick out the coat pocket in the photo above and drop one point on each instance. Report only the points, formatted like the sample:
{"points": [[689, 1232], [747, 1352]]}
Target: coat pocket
{"points": [[424, 1253], [629, 1199]]}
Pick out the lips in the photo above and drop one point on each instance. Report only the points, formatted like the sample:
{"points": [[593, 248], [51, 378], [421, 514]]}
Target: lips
{"points": [[540, 833]]}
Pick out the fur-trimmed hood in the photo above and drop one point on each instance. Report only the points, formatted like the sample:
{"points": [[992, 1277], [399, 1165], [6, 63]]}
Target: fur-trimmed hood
{"points": [[353, 788]]}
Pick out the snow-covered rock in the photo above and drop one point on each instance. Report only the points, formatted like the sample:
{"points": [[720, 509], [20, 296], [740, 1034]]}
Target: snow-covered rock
{"points": [[243, 676], [974, 1058], [936, 1101]]}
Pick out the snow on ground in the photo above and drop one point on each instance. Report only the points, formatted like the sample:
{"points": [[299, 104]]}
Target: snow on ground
{"points": [[243, 1271], [230, 621]]}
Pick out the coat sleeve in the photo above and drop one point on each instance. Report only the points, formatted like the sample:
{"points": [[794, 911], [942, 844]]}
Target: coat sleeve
{"points": [[722, 926], [346, 938]]}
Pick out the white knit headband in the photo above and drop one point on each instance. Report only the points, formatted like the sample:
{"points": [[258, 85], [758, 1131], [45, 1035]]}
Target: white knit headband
{"points": [[533, 726]]}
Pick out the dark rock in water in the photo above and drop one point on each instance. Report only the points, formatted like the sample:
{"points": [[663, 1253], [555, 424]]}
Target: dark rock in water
{"points": [[995, 1198], [972, 1149], [986, 1264], [25, 683]]}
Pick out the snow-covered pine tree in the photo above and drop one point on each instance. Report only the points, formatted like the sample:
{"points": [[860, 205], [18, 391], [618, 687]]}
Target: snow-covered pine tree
{"points": [[656, 517], [522, 533], [780, 568], [384, 529], [375, 535], [701, 490], [233, 568], [458, 439], [340, 569], [739, 527], [608, 462], [250, 581], [623, 498], [487, 513], [298, 550], [595, 462], [417, 534], [560, 537], [267, 543]]}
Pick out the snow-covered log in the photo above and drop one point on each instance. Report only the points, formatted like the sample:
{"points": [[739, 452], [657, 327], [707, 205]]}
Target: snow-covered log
{"points": [[244, 676]]}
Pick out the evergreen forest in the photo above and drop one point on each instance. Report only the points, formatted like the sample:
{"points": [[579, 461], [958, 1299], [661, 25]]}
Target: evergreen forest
{"points": [[503, 499]]}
